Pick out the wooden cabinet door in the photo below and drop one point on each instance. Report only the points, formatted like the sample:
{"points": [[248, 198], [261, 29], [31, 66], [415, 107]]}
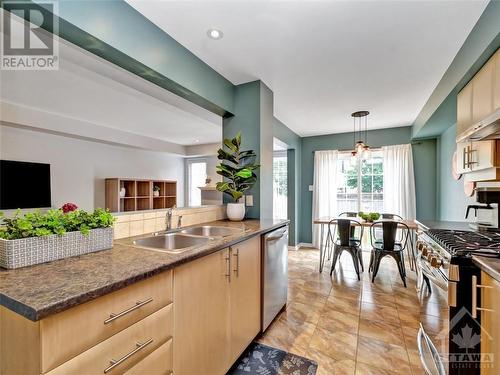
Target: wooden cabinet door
{"points": [[496, 82], [464, 109], [490, 323], [482, 92], [201, 315], [483, 155], [245, 295]]}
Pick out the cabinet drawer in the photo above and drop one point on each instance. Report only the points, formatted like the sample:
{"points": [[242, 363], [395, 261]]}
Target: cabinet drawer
{"points": [[157, 363], [125, 349], [71, 332]]}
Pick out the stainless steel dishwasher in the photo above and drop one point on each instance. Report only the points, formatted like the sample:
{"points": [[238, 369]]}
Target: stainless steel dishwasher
{"points": [[274, 274]]}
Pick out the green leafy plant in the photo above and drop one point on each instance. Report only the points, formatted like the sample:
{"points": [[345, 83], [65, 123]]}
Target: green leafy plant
{"points": [[237, 167], [370, 217], [156, 188], [38, 224]]}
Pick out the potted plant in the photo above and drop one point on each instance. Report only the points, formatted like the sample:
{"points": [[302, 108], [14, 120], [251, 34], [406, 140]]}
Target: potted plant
{"points": [[156, 191], [237, 167], [38, 237]]}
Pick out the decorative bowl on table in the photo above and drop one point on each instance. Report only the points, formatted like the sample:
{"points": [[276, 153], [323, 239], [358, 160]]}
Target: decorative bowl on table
{"points": [[369, 217]]}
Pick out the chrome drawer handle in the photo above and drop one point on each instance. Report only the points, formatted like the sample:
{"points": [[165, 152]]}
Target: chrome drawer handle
{"points": [[138, 304], [117, 362]]}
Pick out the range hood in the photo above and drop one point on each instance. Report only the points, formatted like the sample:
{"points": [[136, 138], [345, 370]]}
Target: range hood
{"points": [[488, 128]]}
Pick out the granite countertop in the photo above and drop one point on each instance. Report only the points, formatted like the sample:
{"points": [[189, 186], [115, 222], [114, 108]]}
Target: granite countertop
{"points": [[45, 289], [489, 265], [449, 225]]}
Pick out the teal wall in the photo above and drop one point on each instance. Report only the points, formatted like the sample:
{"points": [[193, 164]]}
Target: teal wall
{"points": [[424, 160], [247, 120], [482, 42], [452, 200], [293, 141]]}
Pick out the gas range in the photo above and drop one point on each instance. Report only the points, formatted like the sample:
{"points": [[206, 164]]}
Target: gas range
{"points": [[442, 250], [466, 243]]}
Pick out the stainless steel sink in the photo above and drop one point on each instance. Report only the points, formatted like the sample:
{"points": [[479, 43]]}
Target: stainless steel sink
{"points": [[171, 242], [212, 231]]}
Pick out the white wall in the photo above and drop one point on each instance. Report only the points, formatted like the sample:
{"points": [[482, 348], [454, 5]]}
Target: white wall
{"points": [[78, 167]]}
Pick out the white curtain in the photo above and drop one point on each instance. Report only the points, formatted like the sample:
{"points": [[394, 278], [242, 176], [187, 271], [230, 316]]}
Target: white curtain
{"points": [[399, 181], [324, 189]]}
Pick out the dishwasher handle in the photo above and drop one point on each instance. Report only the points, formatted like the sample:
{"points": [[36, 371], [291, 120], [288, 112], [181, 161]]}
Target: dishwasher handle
{"points": [[276, 237]]}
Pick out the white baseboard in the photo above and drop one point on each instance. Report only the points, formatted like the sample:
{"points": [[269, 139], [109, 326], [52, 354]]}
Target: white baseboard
{"points": [[305, 245]]}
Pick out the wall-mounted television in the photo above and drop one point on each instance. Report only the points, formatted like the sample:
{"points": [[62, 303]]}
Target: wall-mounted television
{"points": [[24, 185]]}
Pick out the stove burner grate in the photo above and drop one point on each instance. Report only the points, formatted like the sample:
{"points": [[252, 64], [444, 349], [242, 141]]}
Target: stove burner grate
{"points": [[460, 243]]}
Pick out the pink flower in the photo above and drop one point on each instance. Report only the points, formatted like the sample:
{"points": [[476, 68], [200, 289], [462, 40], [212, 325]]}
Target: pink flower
{"points": [[68, 207]]}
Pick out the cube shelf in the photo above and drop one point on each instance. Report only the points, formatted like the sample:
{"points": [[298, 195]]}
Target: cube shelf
{"points": [[139, 194]]}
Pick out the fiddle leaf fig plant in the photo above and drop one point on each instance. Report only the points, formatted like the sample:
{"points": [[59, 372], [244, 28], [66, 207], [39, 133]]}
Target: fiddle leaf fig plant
{"points": [[237, 167]]}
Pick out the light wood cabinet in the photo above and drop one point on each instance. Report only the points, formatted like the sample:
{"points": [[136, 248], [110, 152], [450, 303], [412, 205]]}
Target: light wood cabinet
{"points": [[490, 322], [245, 295], [496, 82], [160, 362], [479, 99], [126, 348], [217, 308], [76, 339], [478, 160], [482, 92], [464, 109], [201, 308], [73, 331]]}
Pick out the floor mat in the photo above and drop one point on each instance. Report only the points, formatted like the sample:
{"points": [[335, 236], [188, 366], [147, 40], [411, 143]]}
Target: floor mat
{"points": [[264, 360]]}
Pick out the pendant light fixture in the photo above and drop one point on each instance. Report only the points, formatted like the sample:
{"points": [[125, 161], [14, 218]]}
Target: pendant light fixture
{"points": [[361, 147]]}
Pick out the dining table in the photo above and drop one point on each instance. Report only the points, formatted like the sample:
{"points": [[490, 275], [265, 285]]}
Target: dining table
{"points": [[412, 226]]}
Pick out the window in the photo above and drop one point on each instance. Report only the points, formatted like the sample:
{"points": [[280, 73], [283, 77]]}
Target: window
{"points": [[280, 194], [361, 183], [197, 174]]}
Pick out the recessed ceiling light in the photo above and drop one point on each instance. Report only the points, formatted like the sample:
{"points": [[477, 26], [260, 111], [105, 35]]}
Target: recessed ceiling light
{"points": [[196, 141], [214, 34]]}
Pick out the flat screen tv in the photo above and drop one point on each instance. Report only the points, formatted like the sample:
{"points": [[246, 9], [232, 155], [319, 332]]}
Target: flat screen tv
{"points": [[24, 185]]}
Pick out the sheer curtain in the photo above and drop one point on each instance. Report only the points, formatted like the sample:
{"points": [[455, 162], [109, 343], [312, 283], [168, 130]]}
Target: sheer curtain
{"points": [[399, 181], [324, 188]]}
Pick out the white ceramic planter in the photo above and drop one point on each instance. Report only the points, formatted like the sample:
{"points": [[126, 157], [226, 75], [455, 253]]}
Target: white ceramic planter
{"points": [[235, 211]]}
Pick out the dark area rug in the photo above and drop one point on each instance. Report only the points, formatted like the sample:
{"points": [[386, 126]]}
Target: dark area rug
{"points": [[264, 360]]}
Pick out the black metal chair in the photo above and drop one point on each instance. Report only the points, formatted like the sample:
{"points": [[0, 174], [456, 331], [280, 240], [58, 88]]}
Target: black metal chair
{"points": [[391, 216], [388, 245], [345, 242], [329, 244]]}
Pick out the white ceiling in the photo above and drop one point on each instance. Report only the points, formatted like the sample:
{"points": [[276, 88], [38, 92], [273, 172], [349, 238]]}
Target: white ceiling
{"points": [[87, 91], [326, 59]]}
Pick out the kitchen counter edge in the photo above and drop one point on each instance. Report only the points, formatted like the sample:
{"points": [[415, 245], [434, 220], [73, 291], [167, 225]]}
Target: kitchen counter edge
{"points": [[39, 311]]}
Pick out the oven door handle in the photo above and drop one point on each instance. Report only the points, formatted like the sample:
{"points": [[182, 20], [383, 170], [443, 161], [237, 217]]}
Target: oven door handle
{"points": [[426, 348], [443, 284]]}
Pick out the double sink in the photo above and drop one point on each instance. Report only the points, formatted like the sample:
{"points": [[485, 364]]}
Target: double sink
{"points": [[181, 240]]}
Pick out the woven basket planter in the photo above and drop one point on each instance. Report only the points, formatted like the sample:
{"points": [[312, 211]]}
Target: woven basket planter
{"points": [[35, 250]]}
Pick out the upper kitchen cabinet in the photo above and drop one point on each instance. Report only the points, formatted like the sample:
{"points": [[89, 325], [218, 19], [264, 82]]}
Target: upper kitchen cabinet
{"points": [[464, 109], [482, 92], [479, 102], [496, 82], [479, 161]]}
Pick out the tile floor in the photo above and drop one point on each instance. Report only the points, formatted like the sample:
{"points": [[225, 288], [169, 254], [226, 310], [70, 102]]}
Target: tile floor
{"points": [[356, 327]]}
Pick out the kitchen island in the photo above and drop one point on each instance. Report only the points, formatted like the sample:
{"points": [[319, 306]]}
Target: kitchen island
{"points": [[89, 312]]}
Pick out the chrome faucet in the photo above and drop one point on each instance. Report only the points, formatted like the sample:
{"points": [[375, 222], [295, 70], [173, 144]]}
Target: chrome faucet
{"points": [[179, 221], [168, 219]]}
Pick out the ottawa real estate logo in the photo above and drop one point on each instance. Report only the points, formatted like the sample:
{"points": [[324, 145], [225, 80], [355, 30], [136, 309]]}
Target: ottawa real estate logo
{"points": [[28, 35]]}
